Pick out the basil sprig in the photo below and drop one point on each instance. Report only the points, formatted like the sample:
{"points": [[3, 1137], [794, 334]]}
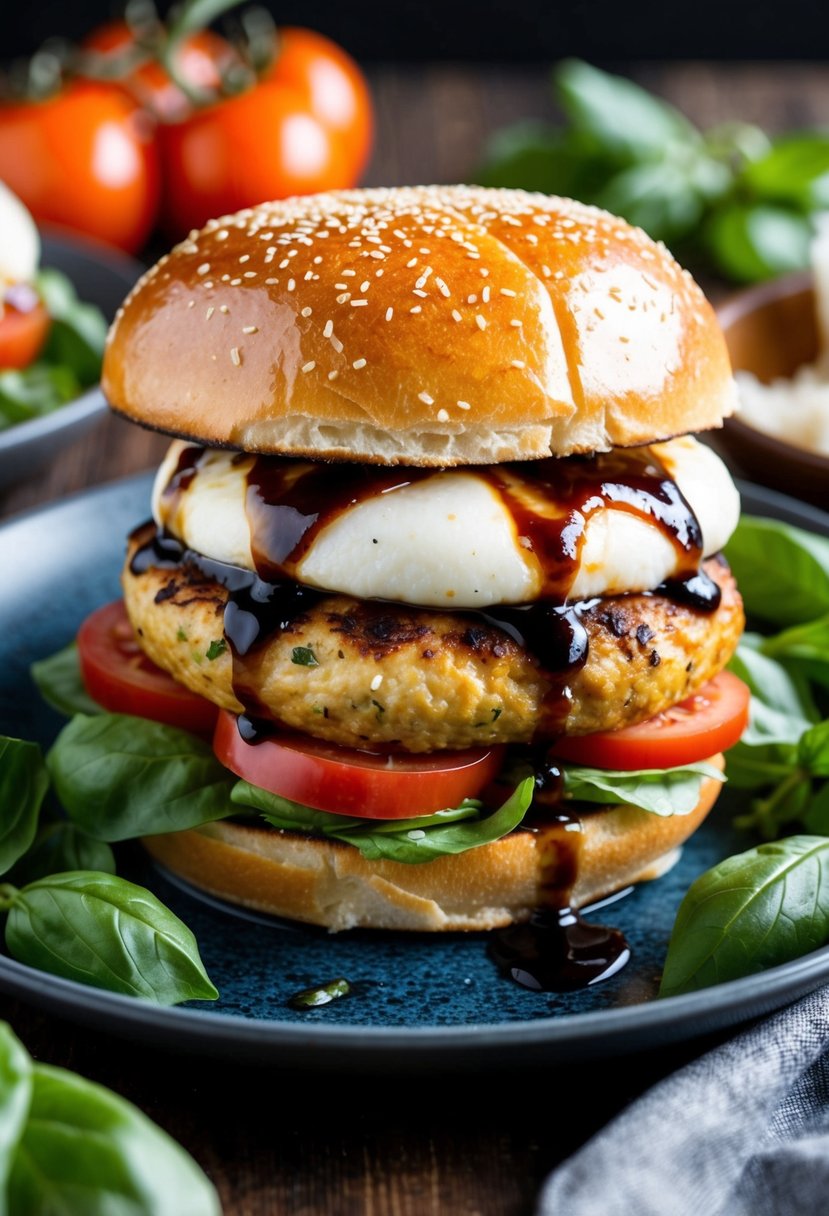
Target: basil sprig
{"points": [[752, 911], [120, 777], [731, 196], [59, 682], [405, 840], [23, 785], [102, 930], [68, 1145], [665, 792]]}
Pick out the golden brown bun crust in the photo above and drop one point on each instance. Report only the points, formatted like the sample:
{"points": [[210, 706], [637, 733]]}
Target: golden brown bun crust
{"points": [[442, 674], [433, 325], [328, 883]]}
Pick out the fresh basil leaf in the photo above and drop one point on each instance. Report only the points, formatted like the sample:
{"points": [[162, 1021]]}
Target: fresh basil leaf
{"points": [[415, 845], [816, 815], [78, 331], [23, 785], [59, 682], [59, 847], [282, 813], [86, 1151], [536, 157], [795, 170], [782, 571], [751, 241], [655, 196], [34, 391], [15, 1098], [622, 117], [750, 912], [121, 777], [813, 750], [776, 687], [808, 643], [122, 937], [671, 791]]}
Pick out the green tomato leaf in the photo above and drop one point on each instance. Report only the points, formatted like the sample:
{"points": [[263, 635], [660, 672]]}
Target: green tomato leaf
{"points": [[753, 241], [623, 118], [121, 777], [672, 791], [100, 930], [750, 912], [23, 785], [15, 1098], [782, 571], [85, 1151], [59, 682], [59, 847]]}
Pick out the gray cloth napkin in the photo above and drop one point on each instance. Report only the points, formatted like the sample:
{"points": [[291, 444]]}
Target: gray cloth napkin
{"points": [[741, 1131]]}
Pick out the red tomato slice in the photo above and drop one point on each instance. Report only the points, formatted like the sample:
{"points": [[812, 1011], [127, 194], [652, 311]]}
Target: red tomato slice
{"points": [[22, 334], [367, 785], [120, 677], [710, 721]]}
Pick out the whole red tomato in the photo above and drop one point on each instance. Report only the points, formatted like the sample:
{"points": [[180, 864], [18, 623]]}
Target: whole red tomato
{"points": [[333, 86], [262, 144], [84, 159], [201, 60], [306, 126]]}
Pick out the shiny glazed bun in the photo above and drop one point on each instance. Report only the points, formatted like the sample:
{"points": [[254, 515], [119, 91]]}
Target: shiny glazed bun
{"points": [[325, 882], [432, 326]]}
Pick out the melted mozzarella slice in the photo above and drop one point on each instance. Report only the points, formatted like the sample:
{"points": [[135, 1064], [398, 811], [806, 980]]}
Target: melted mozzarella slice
{"points": [[19, 240], [450, 539]]}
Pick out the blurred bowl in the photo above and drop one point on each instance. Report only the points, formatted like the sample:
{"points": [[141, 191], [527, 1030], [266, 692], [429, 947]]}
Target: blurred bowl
{"points": [[101, 276], [771, 330]]}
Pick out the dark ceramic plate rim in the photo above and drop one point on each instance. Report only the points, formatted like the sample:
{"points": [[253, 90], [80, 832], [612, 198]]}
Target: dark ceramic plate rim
{"points": [[603, 1032], [91, 401]]}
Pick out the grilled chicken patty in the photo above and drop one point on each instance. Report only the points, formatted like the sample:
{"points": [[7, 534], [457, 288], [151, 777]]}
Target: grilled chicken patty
{"points": [[352, 671]]}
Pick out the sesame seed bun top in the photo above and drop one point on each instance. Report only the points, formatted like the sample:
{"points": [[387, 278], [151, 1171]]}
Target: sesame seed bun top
{"points": [[436, 325]]}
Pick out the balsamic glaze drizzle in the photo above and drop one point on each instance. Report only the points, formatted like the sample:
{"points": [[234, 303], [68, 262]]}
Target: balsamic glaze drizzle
{"points": [[289, 502]]}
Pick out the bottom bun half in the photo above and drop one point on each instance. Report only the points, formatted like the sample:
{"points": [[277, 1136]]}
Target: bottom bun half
{"points": [[329, 883]]}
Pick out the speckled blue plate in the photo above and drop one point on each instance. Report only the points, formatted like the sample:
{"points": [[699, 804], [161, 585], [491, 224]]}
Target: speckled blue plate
{"points": [[419, 1001]]}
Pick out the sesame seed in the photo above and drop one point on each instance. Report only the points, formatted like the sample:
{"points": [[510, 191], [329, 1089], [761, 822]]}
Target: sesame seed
{"points": [[516, 322], [271, 282], [442, 288], [224, 308], [473, 299], [519, 363], [376, 682], [250, 329], [250, 274], [421, 282], [463, 405], [389, 313], [375, 253], [203, 269], [309, 366], [480, 321], [191, 303], [337, 344], [456, 315], [364, 286], [485, 295], [416, 309], [425, 398], [358, 303], [412, 262], [235, 282], [318, 259], [309, 274], [283, 264], [443, 416], [507, 291], [416, 291], [328, 329], [349, 274], [358, 363], [342, 299], [291, 284], [209, 313], [245, 257], [235, 357], [333, 375], [341, 286], [306, 312], [222, 234]]}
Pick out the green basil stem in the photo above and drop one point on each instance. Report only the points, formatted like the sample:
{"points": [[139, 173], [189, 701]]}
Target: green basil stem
{"points": [[764, 809], [8, 894]]}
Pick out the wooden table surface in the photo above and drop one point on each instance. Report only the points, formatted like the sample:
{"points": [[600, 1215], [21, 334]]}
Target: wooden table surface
{"points": [[279, 1142]]}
